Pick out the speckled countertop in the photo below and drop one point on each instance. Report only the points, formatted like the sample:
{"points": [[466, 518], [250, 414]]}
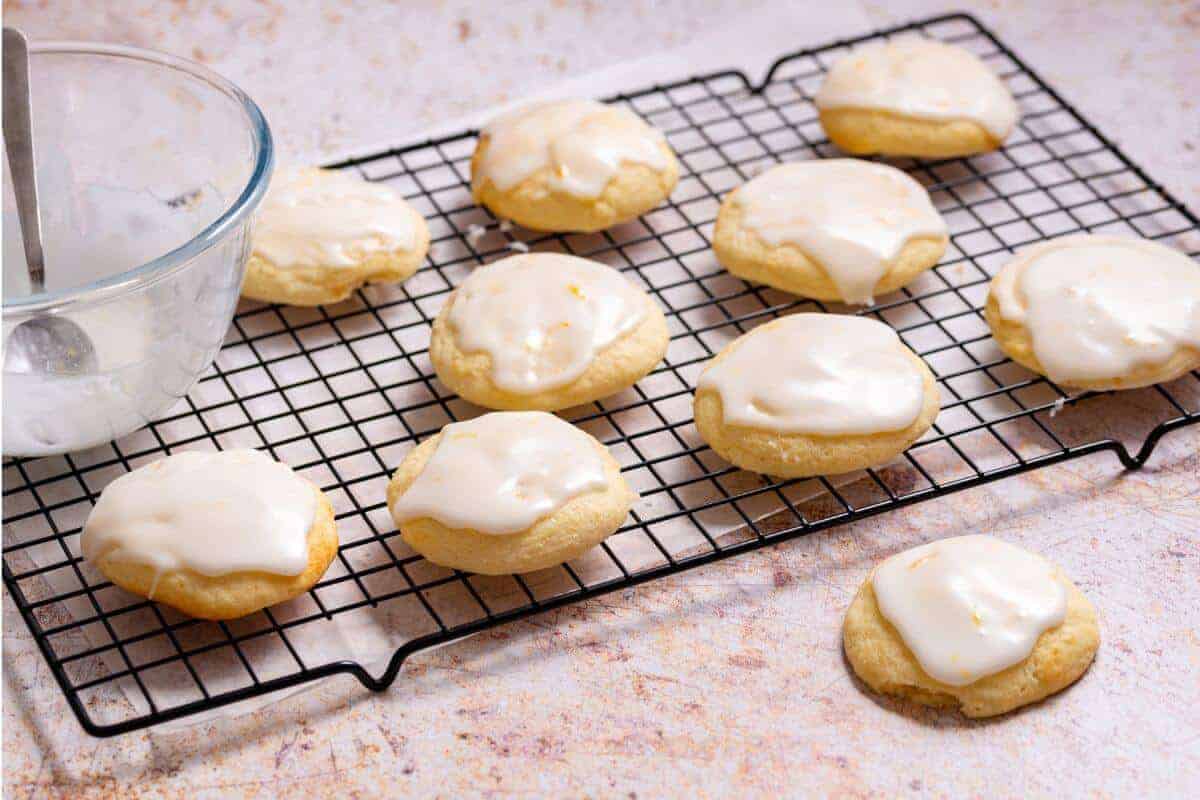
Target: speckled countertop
{"points": [[727, 680]]}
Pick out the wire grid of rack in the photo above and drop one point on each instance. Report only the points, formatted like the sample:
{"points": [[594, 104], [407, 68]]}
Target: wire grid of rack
{"points": [[342, 392]]}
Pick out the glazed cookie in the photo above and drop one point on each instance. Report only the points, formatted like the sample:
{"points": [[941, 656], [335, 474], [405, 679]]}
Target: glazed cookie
{"points": [[838, 229], [1099, 312], [571, 165], [915, 97], [972, 623], [321, 234], [545, 331], [814, 394], [215, 535], [541, 492]]}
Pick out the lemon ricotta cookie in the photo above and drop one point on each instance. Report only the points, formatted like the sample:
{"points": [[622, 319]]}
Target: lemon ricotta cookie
{"points": [[972, 623], [510, 491], [1099, 312], [915, 97], [545, 331], [571, 165], [321, 234], [215, 535], [837, 229], [815, 394]]}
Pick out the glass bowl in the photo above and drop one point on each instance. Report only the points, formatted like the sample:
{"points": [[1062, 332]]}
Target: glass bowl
{"points": [[149, 170]]}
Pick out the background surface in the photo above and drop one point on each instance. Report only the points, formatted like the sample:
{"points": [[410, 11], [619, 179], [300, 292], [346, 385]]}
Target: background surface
{"points": [[728, 679]]}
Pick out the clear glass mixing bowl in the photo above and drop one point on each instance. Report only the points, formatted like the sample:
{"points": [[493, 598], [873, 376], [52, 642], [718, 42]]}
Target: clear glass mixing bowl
{"points": [[149, 170]]}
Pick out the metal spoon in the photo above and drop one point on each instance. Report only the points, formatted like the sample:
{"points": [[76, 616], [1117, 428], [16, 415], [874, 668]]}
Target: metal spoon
{"points": [[47, 343]]}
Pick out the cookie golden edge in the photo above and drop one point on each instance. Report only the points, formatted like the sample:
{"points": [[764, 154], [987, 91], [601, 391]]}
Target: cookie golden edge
{"points": [[788, 268], [615, 368], [802, 455], [881, 659], [1014, 341], [866, 131], [223, 597], [326, 285], [532, 203], [576, 527]]}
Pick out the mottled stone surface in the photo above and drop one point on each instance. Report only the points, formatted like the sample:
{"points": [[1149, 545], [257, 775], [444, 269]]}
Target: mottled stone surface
{"points": [[727, 680]]}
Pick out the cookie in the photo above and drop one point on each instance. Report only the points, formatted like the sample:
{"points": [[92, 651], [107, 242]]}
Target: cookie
{"points": [[571, 165], [545, 331], [814, 394], [541, 492], [1099, 312], [915, 97], [972, 623], [215, 535], [836, 229], [321, 234]]}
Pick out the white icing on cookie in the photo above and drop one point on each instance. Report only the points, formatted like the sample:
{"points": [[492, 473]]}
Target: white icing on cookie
{"points": [[823, 374], [921, 78], [543, 317], [1097, 307], [211, 513], [582, 141], [852, 216], [503, 472], [970, 606], [326, 218]]}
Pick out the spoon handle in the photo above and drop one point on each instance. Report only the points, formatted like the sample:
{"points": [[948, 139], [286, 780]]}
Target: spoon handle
{"points": [[18, 142]]}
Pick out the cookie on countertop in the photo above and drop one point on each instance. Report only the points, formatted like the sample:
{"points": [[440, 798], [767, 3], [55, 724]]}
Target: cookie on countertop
{"points": [[1099, 312], [545, 331], [541, 492], [215, 535], [571, 165], [915, 97], [321, 234], [815, 394], [972, 623], [836, 229]]}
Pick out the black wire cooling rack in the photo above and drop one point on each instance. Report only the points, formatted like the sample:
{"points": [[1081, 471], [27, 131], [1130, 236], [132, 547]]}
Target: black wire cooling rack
{"points": [[342, 392]]}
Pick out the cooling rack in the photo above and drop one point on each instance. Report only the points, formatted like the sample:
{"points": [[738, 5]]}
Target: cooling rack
{"points": [[342, 392]]}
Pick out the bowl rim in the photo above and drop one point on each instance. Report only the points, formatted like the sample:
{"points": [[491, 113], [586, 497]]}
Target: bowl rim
{"points": [[170, 262]]}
